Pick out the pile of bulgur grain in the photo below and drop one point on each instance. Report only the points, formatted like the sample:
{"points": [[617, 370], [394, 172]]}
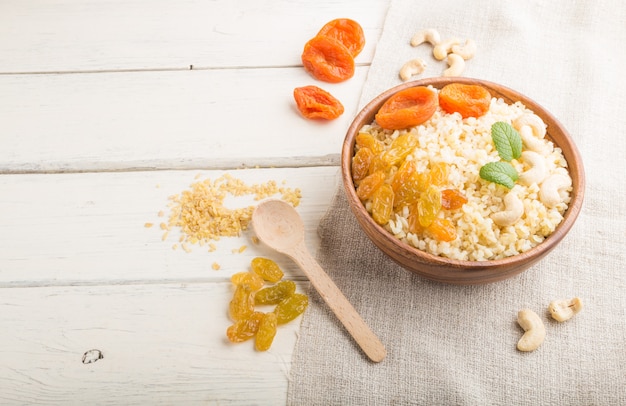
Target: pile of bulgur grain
{"points": [[200, 214]]}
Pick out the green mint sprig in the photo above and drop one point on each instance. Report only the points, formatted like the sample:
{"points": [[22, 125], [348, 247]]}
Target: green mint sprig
{"points": [[501, 173], [508, 143]]}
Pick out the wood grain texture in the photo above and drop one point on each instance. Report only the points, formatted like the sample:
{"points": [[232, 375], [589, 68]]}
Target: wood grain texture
{"points": [[108, 108], [160, 344], [210, 119], [113, 35], [89, 228]]}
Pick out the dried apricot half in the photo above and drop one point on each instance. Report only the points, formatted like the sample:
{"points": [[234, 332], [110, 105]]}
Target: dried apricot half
{"points": [[467, 100], [407, 108], [327, 59], [348, 32], [313, 102]]}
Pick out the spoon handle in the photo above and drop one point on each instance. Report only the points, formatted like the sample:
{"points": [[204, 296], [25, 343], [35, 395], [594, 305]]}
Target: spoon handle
{"points": [[343, 309]]}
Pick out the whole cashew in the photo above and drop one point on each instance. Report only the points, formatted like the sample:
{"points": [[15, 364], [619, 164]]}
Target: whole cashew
{"points": [[536, 123], [514, 210], [412, 67], [533, 143], [562, 310], [429, 35], [537, 171], [443, 48], [549, 189], [456, 65], [535, 331], [466, 51]]}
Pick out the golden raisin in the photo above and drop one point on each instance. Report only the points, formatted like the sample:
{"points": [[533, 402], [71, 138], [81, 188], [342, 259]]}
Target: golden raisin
{"points": [[267, 269], [439, 173], [275, 294], [442, 229], [242, 304], [429, 205], [244, 329], [361, 163], [382, 204], [266, 332], [370, 184], [291, 307], [367, 140], [252, 279], [402, 146]]}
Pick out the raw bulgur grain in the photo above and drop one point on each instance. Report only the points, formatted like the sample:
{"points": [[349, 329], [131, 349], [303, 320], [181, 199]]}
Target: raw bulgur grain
{"points": [[201, 216]]}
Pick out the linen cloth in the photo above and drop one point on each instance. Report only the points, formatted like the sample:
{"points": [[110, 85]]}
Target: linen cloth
{"points": [[456, 345]]}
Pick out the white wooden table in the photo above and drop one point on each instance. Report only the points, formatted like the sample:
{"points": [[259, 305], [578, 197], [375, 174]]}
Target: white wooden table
{"points": [[107, 108]]}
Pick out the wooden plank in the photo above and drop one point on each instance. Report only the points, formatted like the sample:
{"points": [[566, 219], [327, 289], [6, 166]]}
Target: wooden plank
{"points": [[160, 344], [88, 228], [105, 35], [168, 120]]}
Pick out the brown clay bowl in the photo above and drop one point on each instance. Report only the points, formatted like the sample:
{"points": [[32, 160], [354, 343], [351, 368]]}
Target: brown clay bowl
{"points": [[450, 270]]}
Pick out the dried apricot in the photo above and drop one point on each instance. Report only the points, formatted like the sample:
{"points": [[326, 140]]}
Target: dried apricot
{"points": [[407, 108], [327, 59], [314, 102], [348, 32], [467, 100]]}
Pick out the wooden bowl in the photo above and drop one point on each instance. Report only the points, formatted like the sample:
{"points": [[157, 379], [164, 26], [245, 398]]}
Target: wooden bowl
{"points": [[453, 271]]}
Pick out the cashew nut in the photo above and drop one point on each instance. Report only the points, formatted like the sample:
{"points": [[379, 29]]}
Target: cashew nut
{"points": [[562, 310], [456, 65], [466, 51], [550, 188], [429, 35], [535, 331], [537, 171], [514, 210], [534, 121], [412, 67], [533, 143], [443, 48]]}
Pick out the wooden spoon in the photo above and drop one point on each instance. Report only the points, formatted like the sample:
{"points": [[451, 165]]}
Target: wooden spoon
{"points": [[279, 225]]}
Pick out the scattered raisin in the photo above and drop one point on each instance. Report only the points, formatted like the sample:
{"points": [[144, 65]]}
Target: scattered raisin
{"points": [[267, 269], [291, 307], [275, 294]]}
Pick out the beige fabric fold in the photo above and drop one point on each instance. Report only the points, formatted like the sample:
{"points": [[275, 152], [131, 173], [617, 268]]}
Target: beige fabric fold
{"points": [[456, 345]]}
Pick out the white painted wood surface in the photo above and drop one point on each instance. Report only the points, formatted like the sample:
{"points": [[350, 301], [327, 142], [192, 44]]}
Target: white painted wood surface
{"points": [[107, 108]]}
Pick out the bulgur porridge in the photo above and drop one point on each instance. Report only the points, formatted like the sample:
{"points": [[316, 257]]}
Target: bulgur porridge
{"points": [[447, 153]]}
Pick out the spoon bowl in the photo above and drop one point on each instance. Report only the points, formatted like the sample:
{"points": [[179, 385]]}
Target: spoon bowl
{"points": [[280, 227]]}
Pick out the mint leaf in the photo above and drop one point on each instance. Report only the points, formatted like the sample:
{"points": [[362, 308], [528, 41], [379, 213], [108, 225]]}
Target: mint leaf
{"points": [[507, 140], [502, 173]]}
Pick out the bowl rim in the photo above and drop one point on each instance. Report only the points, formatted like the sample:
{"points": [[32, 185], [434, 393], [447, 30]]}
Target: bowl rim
{"points": [[510, 96]]}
